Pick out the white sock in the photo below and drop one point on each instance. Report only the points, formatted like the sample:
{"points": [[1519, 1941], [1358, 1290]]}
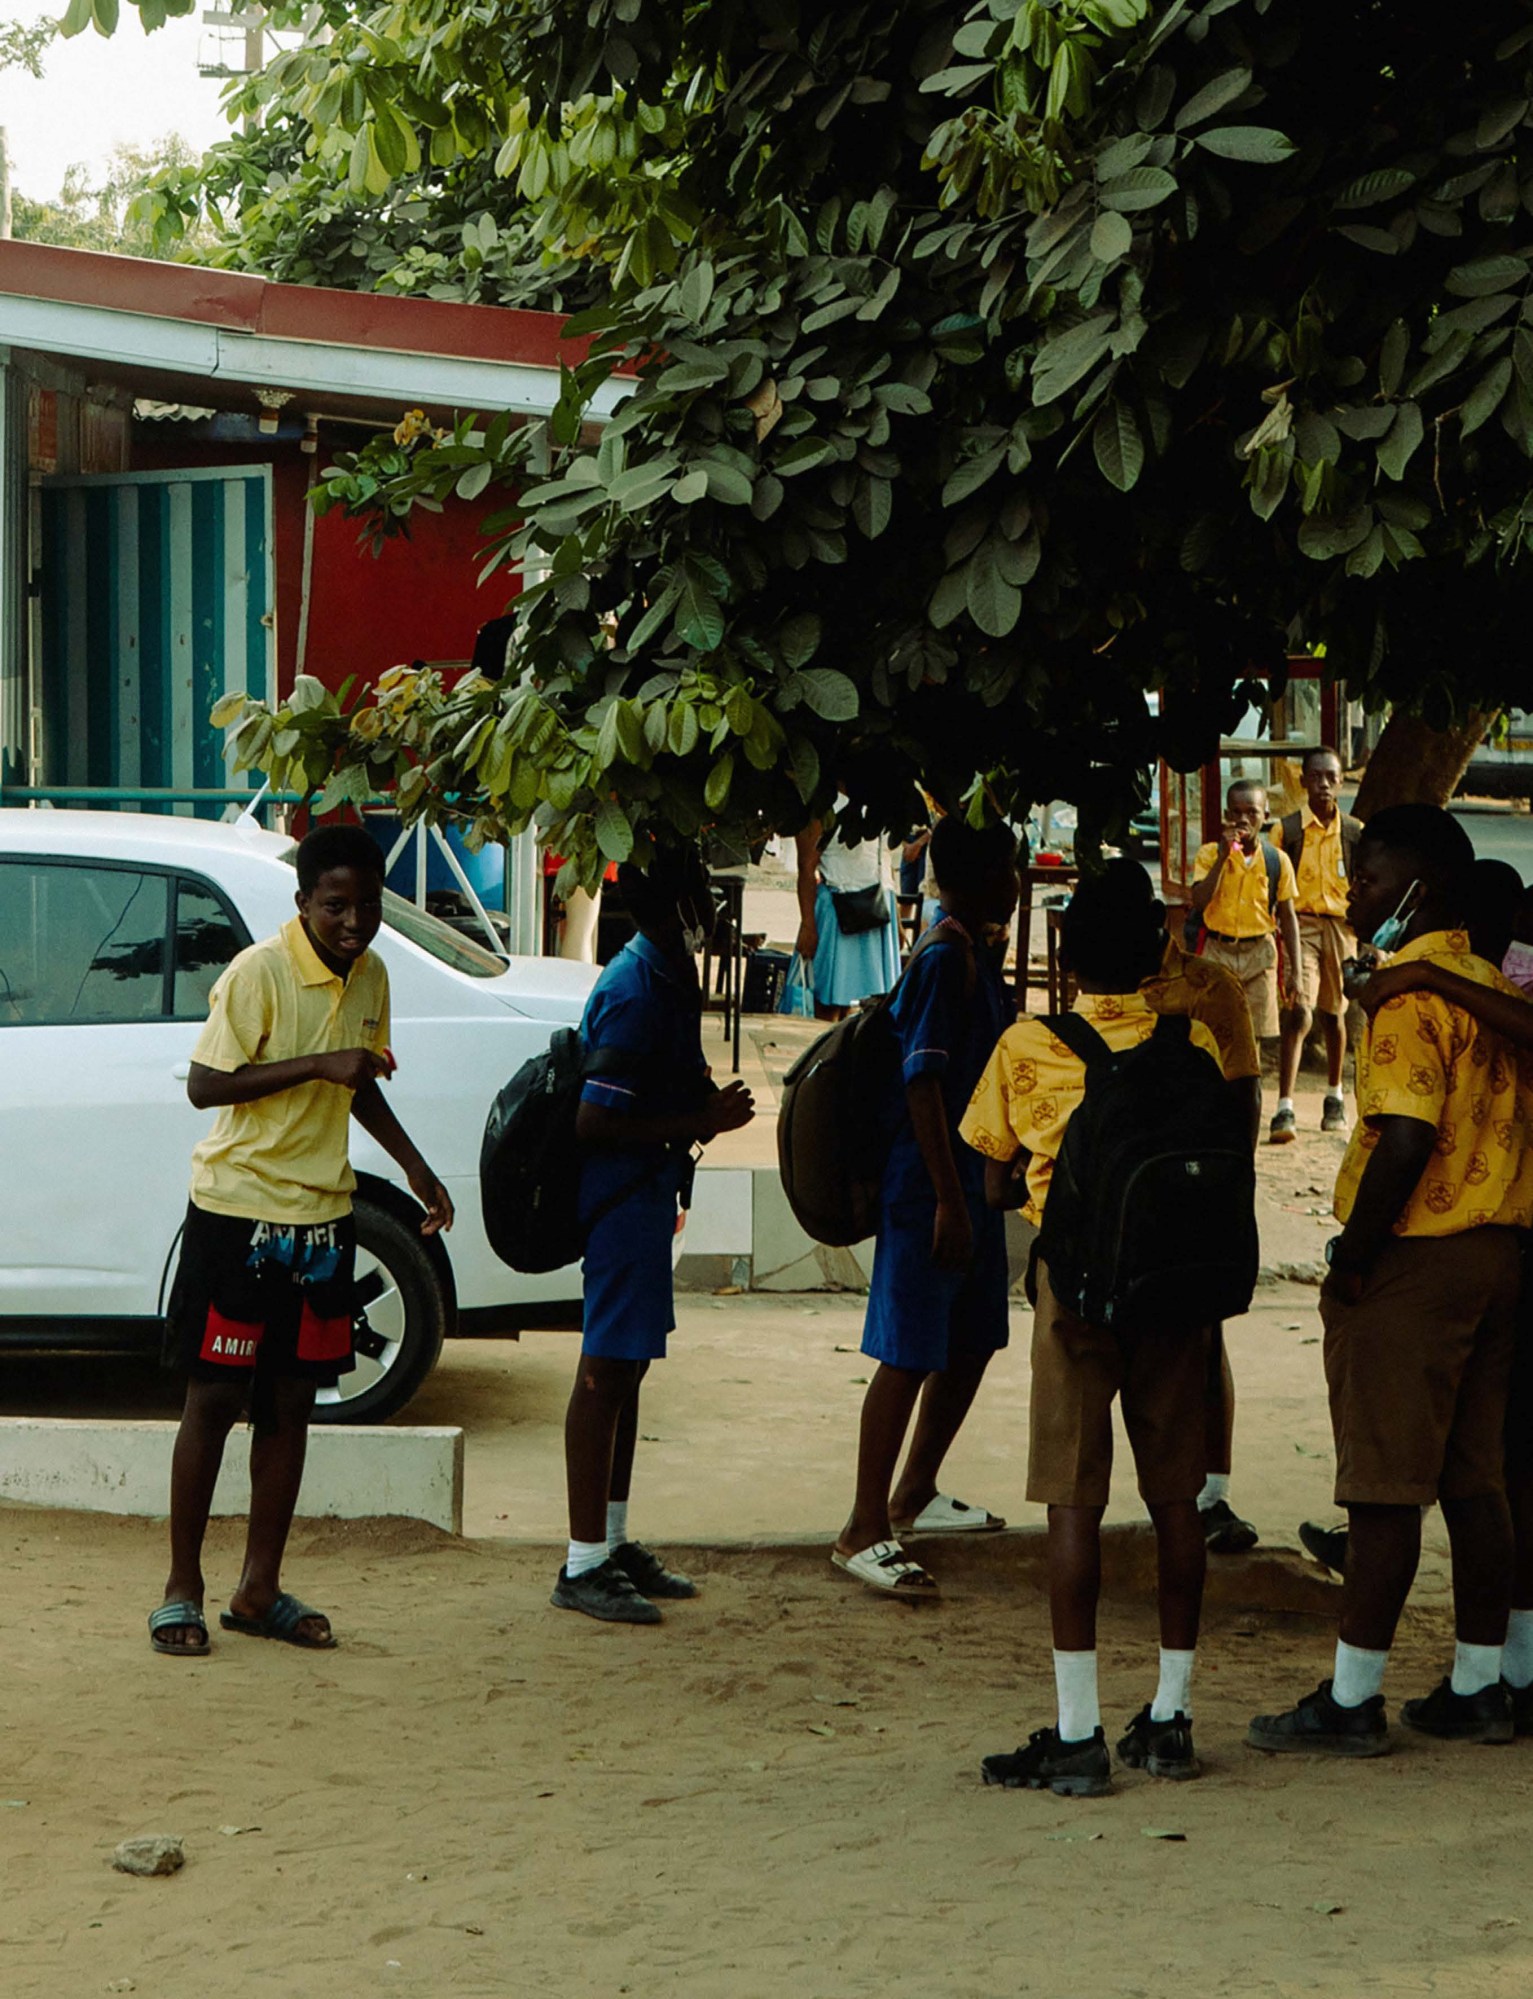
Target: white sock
{"points": [[583, 1557], [1215, 1487], [1475, 1667], [1075, 1685], [1517, 1653], [1286, 1104], [1358, 1676], [617, 1522], [1174, 1694]]}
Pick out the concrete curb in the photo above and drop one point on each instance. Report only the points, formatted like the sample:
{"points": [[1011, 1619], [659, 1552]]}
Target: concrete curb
{"points": [[353, 1472]]}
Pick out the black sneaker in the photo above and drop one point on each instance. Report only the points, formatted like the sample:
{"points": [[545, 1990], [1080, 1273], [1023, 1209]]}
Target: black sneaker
{"points": [[1319, 1726], [1482, 1717], [1224, 1530], [1522, 1708], [1333, 1117], [1328, 1545], [1164, 1748], [1068, 1769], [1284, 1128], [648, 1574], [603, 1592]]}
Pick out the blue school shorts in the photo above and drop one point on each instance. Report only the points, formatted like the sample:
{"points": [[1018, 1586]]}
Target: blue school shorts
{"points": [[628, 1307], [921, 1317]]}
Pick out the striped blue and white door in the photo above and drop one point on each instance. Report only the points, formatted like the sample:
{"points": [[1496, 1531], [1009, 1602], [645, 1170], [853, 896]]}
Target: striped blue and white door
{"points": [[157, 599]]}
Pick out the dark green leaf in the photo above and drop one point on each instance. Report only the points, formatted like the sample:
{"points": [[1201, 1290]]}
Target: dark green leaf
{"points": [[1259, 144], [1485, 275], [1383, 184], [830, 694], [799, 639], [716, 788], [699, 615], [1213, 97], [1118, 446], [1485, 398], [994, 604], [1112, 237], [1142, 187], [614, 835]]}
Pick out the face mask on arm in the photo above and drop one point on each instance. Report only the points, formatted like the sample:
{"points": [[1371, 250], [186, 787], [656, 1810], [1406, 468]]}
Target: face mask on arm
{"points": [[1517, 966]]}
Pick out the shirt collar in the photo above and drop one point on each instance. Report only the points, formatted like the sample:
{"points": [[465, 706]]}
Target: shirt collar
{"points": [[1435, 944], [1309, 817], [312, 969], [1111, 1006], [646, 949]]}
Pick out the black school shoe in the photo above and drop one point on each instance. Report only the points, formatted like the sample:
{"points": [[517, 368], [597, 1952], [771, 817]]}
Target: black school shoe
{"points": [[1482, 1717], [1328, 1545], [1522, 1707], [1224, 1530], [1317, 1726], [648, 1574], [605, 1593], [1164, 1748], [1068, 1769]]}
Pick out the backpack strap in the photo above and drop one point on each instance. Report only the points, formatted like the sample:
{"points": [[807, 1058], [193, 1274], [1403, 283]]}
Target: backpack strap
{"points": [[1078, 1035], [1351, 833], [1173, 1027], [1291, 836], [1274, 864]]}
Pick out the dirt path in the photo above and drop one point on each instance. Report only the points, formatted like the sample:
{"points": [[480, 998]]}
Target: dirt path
{"points": [[774, 1794]]}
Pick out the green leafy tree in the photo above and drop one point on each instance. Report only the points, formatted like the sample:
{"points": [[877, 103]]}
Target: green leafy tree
{"points": [[24, 44], [105, 211], [994, 366]]}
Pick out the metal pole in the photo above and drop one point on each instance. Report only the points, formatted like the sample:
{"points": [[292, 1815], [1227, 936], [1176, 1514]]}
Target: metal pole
{"points": [[6, 217]]}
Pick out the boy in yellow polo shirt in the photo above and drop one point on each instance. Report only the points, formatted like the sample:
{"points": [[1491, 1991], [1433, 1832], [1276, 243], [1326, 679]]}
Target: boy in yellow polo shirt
{"points": [[295, 1045], [1032, 1086], [1243, 889], [1319, 839], [1420, 1307]]}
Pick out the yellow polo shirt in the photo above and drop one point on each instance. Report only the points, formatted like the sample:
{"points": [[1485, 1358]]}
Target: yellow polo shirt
{"points": [[284, 1158], [1239, 904], [1321, 876], [1032, 1084], [1426, 1059], [1212, 994]]}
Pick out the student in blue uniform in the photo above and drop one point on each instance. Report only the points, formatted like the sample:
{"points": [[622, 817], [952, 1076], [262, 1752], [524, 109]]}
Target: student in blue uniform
{"points": [[646, 1101], [937, 1302]]}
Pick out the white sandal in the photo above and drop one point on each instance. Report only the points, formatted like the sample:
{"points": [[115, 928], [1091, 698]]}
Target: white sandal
{"points": [[952, 1516], [885, 1566]]}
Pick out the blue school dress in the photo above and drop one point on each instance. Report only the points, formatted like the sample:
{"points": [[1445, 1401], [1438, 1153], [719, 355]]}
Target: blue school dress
{"points": [[920, 1317], [645, 1009]]}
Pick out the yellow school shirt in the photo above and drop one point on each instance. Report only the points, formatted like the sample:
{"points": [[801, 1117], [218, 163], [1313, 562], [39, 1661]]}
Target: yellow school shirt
{"points": [[1032, 1084], [1321, 876], [1426, 1059], [1212, 994], [1239, 904], [284, 1158]]}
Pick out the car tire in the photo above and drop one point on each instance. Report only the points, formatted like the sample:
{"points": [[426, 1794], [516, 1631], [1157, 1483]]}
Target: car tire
{"points": [[402, 1310]]}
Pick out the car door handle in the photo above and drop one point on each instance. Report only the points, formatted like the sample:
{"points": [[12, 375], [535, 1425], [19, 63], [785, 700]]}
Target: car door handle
{"points": [[181, 1071]]}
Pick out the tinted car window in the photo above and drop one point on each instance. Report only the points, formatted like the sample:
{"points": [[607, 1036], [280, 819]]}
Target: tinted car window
{"points": [[206, 939], [80, 944]]}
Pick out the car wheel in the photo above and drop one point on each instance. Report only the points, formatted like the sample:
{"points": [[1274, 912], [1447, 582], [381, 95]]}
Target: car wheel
{"points": [[401, 1317]]}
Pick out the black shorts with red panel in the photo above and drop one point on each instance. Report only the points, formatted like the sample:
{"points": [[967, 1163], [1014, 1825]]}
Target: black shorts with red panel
{"points": [[264, 1301]]}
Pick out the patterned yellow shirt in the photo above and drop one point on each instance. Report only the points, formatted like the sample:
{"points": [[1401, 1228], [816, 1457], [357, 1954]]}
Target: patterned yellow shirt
{"points": [[1239, 904], [1321, 876], [1032, 1084], [1426, 1059], [1210, 993]]}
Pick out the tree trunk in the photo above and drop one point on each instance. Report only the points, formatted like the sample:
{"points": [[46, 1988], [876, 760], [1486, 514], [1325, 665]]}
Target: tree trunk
{"points": [[1415, 764]]}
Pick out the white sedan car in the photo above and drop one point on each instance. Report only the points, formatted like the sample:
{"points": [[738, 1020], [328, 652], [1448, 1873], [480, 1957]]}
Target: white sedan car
{"points": [[113, 928]]}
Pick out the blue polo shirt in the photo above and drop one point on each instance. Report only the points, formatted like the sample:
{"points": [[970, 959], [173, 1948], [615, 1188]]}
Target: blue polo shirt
{"points": [[645, 1013], [943, 1032]]}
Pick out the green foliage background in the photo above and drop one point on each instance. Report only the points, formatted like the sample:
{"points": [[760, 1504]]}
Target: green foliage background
{"points": [[995, 366]]}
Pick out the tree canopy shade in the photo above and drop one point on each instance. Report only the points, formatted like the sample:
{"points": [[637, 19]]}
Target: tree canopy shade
{"points": [[996, 366]]}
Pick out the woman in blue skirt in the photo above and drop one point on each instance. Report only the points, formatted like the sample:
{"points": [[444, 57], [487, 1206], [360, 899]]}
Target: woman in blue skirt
{"points": [[848, 920]]}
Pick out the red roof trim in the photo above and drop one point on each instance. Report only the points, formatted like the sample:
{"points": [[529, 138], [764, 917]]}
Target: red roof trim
{"points": [[239, 303]]}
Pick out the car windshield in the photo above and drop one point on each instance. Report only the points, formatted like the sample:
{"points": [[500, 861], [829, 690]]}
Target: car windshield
{"points": [[444, 943]]}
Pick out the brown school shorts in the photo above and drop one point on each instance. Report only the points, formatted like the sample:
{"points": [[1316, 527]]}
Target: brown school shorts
{"points": [[1078, 1370], [1253, 960], [1419, 1370], [1325, 944]]}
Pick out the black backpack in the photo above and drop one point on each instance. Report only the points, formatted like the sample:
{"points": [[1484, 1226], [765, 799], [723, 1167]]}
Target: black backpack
{"points": [[832, 1139], [1150, 1221], [530, 1159]]}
